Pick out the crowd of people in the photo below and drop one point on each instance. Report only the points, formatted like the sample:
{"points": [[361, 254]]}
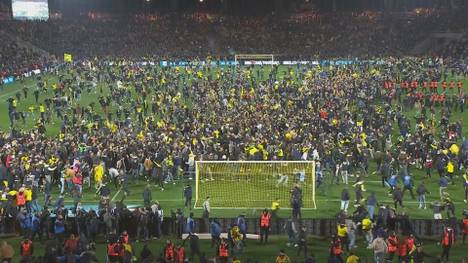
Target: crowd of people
{"points": [[16, 60], [191, 35], [151, 123]]}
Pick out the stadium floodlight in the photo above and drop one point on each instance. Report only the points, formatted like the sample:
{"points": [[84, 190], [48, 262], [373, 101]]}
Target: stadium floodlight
{"points": [[253, 184], [254, 59]]}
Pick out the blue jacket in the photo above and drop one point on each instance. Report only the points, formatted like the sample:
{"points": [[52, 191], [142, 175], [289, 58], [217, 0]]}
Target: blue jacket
{"points": [[190, 225], [26, 222], [215, 229], [407, 181], [443, 182], [393, 180], [35, 223], [59, 226], [242, 225]]}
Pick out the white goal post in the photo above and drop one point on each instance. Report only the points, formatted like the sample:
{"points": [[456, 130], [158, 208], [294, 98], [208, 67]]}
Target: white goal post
{"points": [[254, 59], [253, 184]]}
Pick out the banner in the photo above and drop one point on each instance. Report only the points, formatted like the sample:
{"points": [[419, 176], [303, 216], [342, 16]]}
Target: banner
{"points": [[8, 80]]}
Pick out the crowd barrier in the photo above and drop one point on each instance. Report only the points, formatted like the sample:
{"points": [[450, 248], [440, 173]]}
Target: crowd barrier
{"points": [[428, 228], [327, 227]]}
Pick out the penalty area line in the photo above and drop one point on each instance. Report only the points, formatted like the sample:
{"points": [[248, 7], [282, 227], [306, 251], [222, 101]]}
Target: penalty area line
{"points": [[116, 194]]}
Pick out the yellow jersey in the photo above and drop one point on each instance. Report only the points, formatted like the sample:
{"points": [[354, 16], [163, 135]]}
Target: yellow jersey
{"points": [[342, 231], [352, 259], [366, 224], [275, 206], [98, 173]]}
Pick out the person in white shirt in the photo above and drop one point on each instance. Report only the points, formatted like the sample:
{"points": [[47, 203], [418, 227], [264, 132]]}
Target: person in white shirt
{"points": [[380, 248], [206, 208]]}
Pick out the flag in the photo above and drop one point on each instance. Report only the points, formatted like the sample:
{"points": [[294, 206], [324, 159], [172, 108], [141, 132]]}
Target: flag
{"points": [[67, 57]]}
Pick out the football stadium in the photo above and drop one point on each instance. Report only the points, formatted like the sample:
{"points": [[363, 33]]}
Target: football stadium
{"points": [[233, 131]]}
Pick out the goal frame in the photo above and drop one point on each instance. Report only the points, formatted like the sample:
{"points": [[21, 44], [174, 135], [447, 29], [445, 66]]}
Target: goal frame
{"points": [[197, 184], [254, 57]]}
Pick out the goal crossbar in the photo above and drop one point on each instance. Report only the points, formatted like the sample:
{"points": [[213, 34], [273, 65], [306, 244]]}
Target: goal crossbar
{"points": [[254, 57]]}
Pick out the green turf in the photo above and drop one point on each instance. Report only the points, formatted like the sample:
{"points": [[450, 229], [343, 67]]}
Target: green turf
{"points": [[255, 252], [327, 197]]}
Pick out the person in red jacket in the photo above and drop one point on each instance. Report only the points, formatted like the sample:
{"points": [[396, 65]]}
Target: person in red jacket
{"points": [[447, 240], [411, 242], [424, 85], [264, 225], [26, 248], [444, 85], [465, 228], [223, 251], [169, 255], [431, 85], [403, 250], [113, 252], [336, 249], [452, 85], [20, 198], [392, 244], [180, 253], [71, 244]]}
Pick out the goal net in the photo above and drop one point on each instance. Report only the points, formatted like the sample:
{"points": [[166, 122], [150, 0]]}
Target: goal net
{"points": [[254, 59], [254, 184]]}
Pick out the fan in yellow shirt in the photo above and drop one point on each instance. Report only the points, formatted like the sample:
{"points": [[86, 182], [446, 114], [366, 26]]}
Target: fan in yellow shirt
{"points": [[341, 230], [275, 206], [28, 194], [282, 258], [98, 175], [352, 258]]}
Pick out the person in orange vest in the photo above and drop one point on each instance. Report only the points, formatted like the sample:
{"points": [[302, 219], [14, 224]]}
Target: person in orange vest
{"points": [[424, 84], [403, 250], [264, 225], [432, 85], [465, 228], [411, 242], [392, 244], [405, 85], [20, 198], [169, 252], [77, 180], [452, 85], [26, 248], [460, 85], [180, 253], [336, 250], [113, 252], [387, 84], [447, 240], [444, 85], [223, 251]]}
